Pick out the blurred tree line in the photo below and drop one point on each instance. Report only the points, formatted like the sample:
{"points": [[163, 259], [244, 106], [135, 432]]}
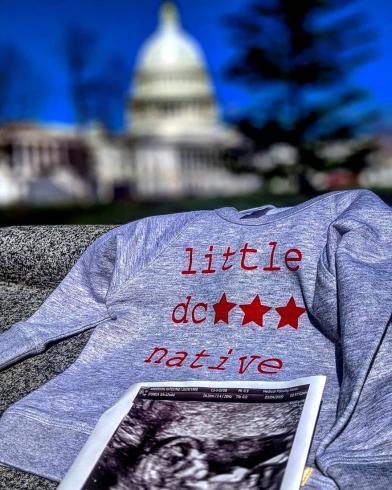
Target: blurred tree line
{"points": [[297, 58], [17, 100], [98, 93], [98, 96]]}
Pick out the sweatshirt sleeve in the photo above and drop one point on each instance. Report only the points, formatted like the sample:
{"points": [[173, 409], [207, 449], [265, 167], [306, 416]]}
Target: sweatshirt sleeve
{"points": [[81, 300], [353, 303], [77, 303]]}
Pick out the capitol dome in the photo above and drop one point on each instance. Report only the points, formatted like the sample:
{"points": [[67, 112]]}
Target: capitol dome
{"points": [[170, 47], [171, 85]]}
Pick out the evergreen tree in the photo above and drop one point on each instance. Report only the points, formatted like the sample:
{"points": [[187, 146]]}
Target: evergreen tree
{"points": [[297, 58]]}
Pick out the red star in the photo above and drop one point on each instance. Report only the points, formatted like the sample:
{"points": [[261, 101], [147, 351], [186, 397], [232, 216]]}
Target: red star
{"points": [[254, 311], [289, 314], [222, 309]]}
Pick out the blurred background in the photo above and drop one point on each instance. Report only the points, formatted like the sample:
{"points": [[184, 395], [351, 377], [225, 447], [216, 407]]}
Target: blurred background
{"points": [[115, 110]]}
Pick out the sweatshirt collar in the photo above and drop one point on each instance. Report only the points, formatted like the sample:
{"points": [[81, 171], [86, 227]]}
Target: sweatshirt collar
{"points": [[267, 213]]}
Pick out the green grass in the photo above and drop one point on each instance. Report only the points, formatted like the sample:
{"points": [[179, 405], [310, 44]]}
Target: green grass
{"points": [[124, 211]]}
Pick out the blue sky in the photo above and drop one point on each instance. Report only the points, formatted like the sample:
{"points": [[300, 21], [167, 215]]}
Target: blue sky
{"points": [[37, 29]]}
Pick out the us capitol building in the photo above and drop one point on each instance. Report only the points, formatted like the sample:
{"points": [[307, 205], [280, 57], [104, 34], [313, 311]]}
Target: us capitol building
{"points": [[174, 144]]}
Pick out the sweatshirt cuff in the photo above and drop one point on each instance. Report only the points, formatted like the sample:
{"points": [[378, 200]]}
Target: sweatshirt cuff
{"points": [[14, 345]]}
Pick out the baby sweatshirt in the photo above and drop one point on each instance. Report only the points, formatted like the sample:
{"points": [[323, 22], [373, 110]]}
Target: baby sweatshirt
{"points": [[262, 294]]}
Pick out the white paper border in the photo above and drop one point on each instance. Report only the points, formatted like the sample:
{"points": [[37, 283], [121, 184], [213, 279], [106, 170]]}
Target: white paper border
{"points": [[111, 419]]}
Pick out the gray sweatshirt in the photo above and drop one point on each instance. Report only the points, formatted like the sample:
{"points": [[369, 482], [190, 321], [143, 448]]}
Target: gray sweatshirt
{"points": [[262, 294]]}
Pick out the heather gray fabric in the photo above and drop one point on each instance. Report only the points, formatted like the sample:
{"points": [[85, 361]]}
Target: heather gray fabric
{"points": [[301, 291]]}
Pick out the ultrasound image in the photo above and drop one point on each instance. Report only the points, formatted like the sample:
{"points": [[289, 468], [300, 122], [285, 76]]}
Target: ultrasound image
{"points": [[173, 445]]}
